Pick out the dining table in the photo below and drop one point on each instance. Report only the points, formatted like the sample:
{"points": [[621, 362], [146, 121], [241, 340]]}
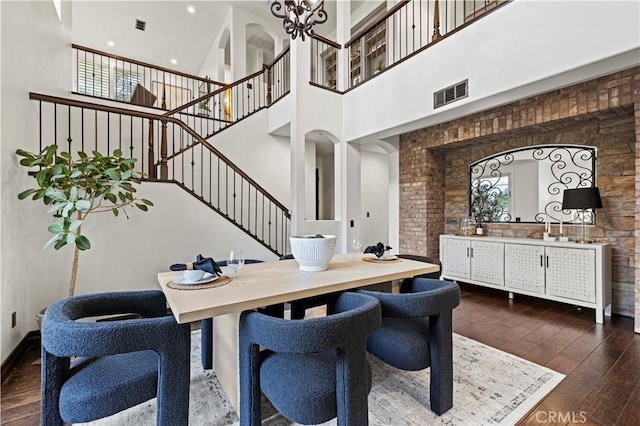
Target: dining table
{"points": [[267, 283]]}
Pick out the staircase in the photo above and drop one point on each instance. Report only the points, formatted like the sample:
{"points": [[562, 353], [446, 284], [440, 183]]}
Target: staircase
{"points": [[171, 142], [168, 150]]}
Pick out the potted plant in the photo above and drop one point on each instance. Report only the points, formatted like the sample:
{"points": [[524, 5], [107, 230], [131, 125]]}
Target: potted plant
{"points": [[74, 188], [204, 109], [377, 67]]}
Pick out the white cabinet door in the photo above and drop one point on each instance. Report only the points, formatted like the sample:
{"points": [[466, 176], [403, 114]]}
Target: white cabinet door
{"points": [[524, 267], [455, 261], [571, 273], [487, 262]]}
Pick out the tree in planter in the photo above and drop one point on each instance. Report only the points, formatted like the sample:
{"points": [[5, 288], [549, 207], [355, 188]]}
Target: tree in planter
{"points": [[79, 187]]}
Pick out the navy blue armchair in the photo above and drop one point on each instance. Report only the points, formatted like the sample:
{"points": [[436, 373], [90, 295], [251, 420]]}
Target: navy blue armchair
{"points": [[416, 333], [312, 370], [119, 364]]}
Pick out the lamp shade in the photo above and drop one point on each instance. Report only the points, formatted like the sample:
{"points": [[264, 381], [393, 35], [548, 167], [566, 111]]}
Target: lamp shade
{"points": [[581, 198]]}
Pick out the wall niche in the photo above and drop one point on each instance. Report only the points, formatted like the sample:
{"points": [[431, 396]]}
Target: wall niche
{"points": [[615, 177]]}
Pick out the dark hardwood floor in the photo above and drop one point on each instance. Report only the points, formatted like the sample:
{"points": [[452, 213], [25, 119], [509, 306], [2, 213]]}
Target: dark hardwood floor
{"points": [[601, 362]]}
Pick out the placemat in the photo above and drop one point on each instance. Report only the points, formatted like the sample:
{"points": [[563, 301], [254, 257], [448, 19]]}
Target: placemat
{"points": [[220, 281], [374, 260]]}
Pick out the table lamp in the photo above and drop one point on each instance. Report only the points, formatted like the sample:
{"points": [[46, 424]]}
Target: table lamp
{"points": [[582, 199]]}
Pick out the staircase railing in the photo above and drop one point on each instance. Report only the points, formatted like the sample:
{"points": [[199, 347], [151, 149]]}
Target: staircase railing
{"points": [[234, 102], [156, 140], [103, 75]]}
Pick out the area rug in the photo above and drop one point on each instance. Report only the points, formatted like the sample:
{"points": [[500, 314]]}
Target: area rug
{"points": [[490, 387]]}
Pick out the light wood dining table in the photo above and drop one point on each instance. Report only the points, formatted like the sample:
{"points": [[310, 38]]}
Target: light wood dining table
{"points": [[268, 283]]}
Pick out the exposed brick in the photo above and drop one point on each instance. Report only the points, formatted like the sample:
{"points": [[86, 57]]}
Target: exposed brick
{"points": [[603, 112]]}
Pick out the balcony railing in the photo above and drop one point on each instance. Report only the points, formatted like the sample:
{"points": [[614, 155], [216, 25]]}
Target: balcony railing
{"points": [[408, 28], [103, 75], [167, 150], [324, 62]]}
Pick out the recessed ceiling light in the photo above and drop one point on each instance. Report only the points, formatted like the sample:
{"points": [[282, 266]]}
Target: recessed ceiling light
{"points": [[110, 43], [191, 9], [173, 61]]}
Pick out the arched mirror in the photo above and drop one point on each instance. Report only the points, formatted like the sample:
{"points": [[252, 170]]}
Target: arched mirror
{"points": [[527, 184]]}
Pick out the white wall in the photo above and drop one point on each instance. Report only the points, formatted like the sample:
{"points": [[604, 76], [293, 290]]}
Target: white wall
{"points": [[507, 55], [33, 39], [261, 155], [375, 198]]}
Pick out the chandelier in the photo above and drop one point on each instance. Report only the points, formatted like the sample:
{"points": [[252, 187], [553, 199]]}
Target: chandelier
{"points": [[299, 16]]}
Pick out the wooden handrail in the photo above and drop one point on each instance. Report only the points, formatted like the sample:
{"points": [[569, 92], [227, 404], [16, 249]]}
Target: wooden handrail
{"points": [[327, 41], [215, 92], [161, 118], [277, 58], [144, 64]]}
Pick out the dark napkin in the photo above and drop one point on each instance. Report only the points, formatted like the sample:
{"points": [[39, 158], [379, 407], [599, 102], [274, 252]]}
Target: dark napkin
{"points": [[206, 264], [378, 249]]}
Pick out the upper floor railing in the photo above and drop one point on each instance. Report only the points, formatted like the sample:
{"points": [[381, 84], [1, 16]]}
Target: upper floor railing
{"points": [[103, 75], [403, 31], [167, 150]]}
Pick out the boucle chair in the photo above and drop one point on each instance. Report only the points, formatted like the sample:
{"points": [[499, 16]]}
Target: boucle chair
{"points": [[416, 333], [312, 370], [119, 364]]}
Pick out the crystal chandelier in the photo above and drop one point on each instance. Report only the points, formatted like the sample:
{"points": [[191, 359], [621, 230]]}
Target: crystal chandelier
{"points": [[299, 16]]}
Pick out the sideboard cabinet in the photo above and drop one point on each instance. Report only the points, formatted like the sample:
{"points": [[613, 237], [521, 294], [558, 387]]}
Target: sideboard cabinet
{"points": [[567, 272]]}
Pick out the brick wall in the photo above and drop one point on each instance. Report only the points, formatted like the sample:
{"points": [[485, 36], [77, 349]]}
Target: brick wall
{"points": [[598, 113], [637, 205]]}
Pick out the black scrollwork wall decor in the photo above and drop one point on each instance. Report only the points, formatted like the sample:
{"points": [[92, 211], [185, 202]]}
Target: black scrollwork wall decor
{"points": [[527, 184]]}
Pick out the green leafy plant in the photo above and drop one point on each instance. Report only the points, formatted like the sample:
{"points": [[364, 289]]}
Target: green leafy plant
{"points": [[75, 188], [487, 203], [204, 106]]}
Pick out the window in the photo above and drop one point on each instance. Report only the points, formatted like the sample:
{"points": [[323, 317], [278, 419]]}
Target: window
{"points": [[93, 79], [126, 82]]}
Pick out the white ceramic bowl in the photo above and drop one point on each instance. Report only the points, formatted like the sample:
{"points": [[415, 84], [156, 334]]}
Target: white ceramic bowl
{"points": [[313, 254], [193, 275]]}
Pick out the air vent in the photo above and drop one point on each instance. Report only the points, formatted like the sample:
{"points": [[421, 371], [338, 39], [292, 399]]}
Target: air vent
{"points": [[140, 25], [450, 94]]}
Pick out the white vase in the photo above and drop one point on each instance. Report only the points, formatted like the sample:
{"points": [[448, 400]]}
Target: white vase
{"points": [[313, 254]]}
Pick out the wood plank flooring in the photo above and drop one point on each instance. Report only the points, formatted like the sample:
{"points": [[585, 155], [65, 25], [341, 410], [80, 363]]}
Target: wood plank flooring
{"points": [[601, 361]]}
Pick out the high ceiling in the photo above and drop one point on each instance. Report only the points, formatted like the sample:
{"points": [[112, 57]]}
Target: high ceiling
{"points": [[172, 32]]}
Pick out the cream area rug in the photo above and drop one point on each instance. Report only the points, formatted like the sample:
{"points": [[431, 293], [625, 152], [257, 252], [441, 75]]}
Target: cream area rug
{"points": [[490, 387]]}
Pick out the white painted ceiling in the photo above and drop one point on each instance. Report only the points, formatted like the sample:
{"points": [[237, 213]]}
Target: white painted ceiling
{"points": [[171, 31]]}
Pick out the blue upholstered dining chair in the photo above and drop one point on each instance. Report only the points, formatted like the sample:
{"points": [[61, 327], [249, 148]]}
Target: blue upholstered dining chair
{"points": [[119, 364], [416, 333], [312, 370]]}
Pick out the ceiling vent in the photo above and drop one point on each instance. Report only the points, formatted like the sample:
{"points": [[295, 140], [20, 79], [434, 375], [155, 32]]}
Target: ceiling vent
{"points": [[451, 94], [140, 25]]}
